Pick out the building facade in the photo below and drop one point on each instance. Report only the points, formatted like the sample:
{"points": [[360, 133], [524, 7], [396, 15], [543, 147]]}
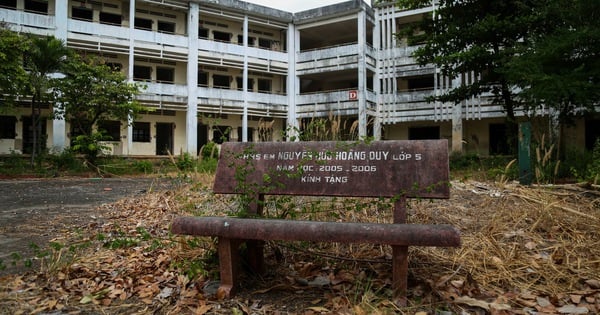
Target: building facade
{"points": [[228, 70]]}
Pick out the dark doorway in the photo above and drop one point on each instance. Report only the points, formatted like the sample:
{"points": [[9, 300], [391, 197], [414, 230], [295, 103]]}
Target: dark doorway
{"points": [[164, 138], [592, 133], [424, 133], [202, 136], [28, 135], [498, 140]]}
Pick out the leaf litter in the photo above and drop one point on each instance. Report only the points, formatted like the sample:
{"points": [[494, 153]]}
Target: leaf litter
{"points": [[525, 250]]}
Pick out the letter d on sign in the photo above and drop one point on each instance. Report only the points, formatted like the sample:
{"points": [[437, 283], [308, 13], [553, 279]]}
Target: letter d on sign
{"points": [[352, 94]]}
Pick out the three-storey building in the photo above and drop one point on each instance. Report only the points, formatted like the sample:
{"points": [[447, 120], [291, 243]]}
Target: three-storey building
{"points": [[228, 70]]}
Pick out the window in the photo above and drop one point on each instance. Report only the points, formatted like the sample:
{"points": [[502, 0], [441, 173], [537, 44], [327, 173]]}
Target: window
{"points": [[221, 81], [141, 132], [264, 85], [82, 13], [166, 27], [423, 133], [165, 75], [222, 36], [202, 32], [110, 18], [420, 83], [142, 73], [144, 24], [7, 127], [202, 78], [112, 128], [36, 6]]}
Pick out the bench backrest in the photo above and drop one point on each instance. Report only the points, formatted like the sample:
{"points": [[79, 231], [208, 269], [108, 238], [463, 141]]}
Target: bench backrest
{"points": [[417, 168]]}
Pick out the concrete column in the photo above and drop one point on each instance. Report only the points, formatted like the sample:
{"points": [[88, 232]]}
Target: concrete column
{"points": [[362, 75], [191, 125], [129, 147], [457, 127], [59, 128], [293, 82], [377, 77], [245, 83]]}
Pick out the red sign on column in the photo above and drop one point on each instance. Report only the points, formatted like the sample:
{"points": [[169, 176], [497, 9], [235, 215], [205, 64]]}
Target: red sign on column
{"points": [[353, 94]]}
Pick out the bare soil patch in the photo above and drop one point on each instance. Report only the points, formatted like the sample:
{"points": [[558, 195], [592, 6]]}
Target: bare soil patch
{"points": [[525, 250]]}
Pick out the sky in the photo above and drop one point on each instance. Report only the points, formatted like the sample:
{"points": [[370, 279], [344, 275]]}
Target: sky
{"points": [[296, 5]]}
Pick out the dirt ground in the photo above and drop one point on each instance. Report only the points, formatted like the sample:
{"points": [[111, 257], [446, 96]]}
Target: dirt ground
{"points": [[33, 211]]}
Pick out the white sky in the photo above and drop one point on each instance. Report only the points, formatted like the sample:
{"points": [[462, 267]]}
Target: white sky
{"points": [[295, 5]]}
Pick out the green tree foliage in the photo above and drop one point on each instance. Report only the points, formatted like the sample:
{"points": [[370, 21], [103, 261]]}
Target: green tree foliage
{"points": [[12, 73], [477, 36], [559, 67], [89, 92], [43, 59], [530, 53]]}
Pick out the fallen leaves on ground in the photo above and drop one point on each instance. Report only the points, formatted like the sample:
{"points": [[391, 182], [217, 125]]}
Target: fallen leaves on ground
{"points": [[524, 250]]}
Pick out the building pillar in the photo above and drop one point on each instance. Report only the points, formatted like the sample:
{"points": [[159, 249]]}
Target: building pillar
{"points": [[59, 127], [245, 83], [129, 147], [191, 125], [362, 75], [457, 123], [377, 77], [293, 82]]}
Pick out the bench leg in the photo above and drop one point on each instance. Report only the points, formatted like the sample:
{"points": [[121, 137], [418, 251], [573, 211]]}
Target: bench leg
{"points": [[229, 262], [400, 274], [400, 258]]}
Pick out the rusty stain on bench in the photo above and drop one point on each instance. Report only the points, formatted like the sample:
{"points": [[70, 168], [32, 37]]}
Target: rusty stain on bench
{"points": [[393, 169]]}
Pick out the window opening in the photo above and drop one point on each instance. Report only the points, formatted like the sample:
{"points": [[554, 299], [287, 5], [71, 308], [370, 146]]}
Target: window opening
{"points": [[12, 4], [264, 43], [202, 78], [82, 13], [222, 36], [221, 81], [141, 132], [165, 75], [202, 32], [36, 6], [264, 85], [7, 127], [142, 73], [112, 128], [110, 18], [166, 27], [144, 24]]}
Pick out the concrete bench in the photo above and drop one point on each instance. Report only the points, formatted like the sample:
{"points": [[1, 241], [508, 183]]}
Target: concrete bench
{"points": [[392, 169]]}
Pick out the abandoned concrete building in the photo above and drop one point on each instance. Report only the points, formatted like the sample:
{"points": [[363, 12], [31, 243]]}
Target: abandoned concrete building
{"points": [[228, 70]]}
